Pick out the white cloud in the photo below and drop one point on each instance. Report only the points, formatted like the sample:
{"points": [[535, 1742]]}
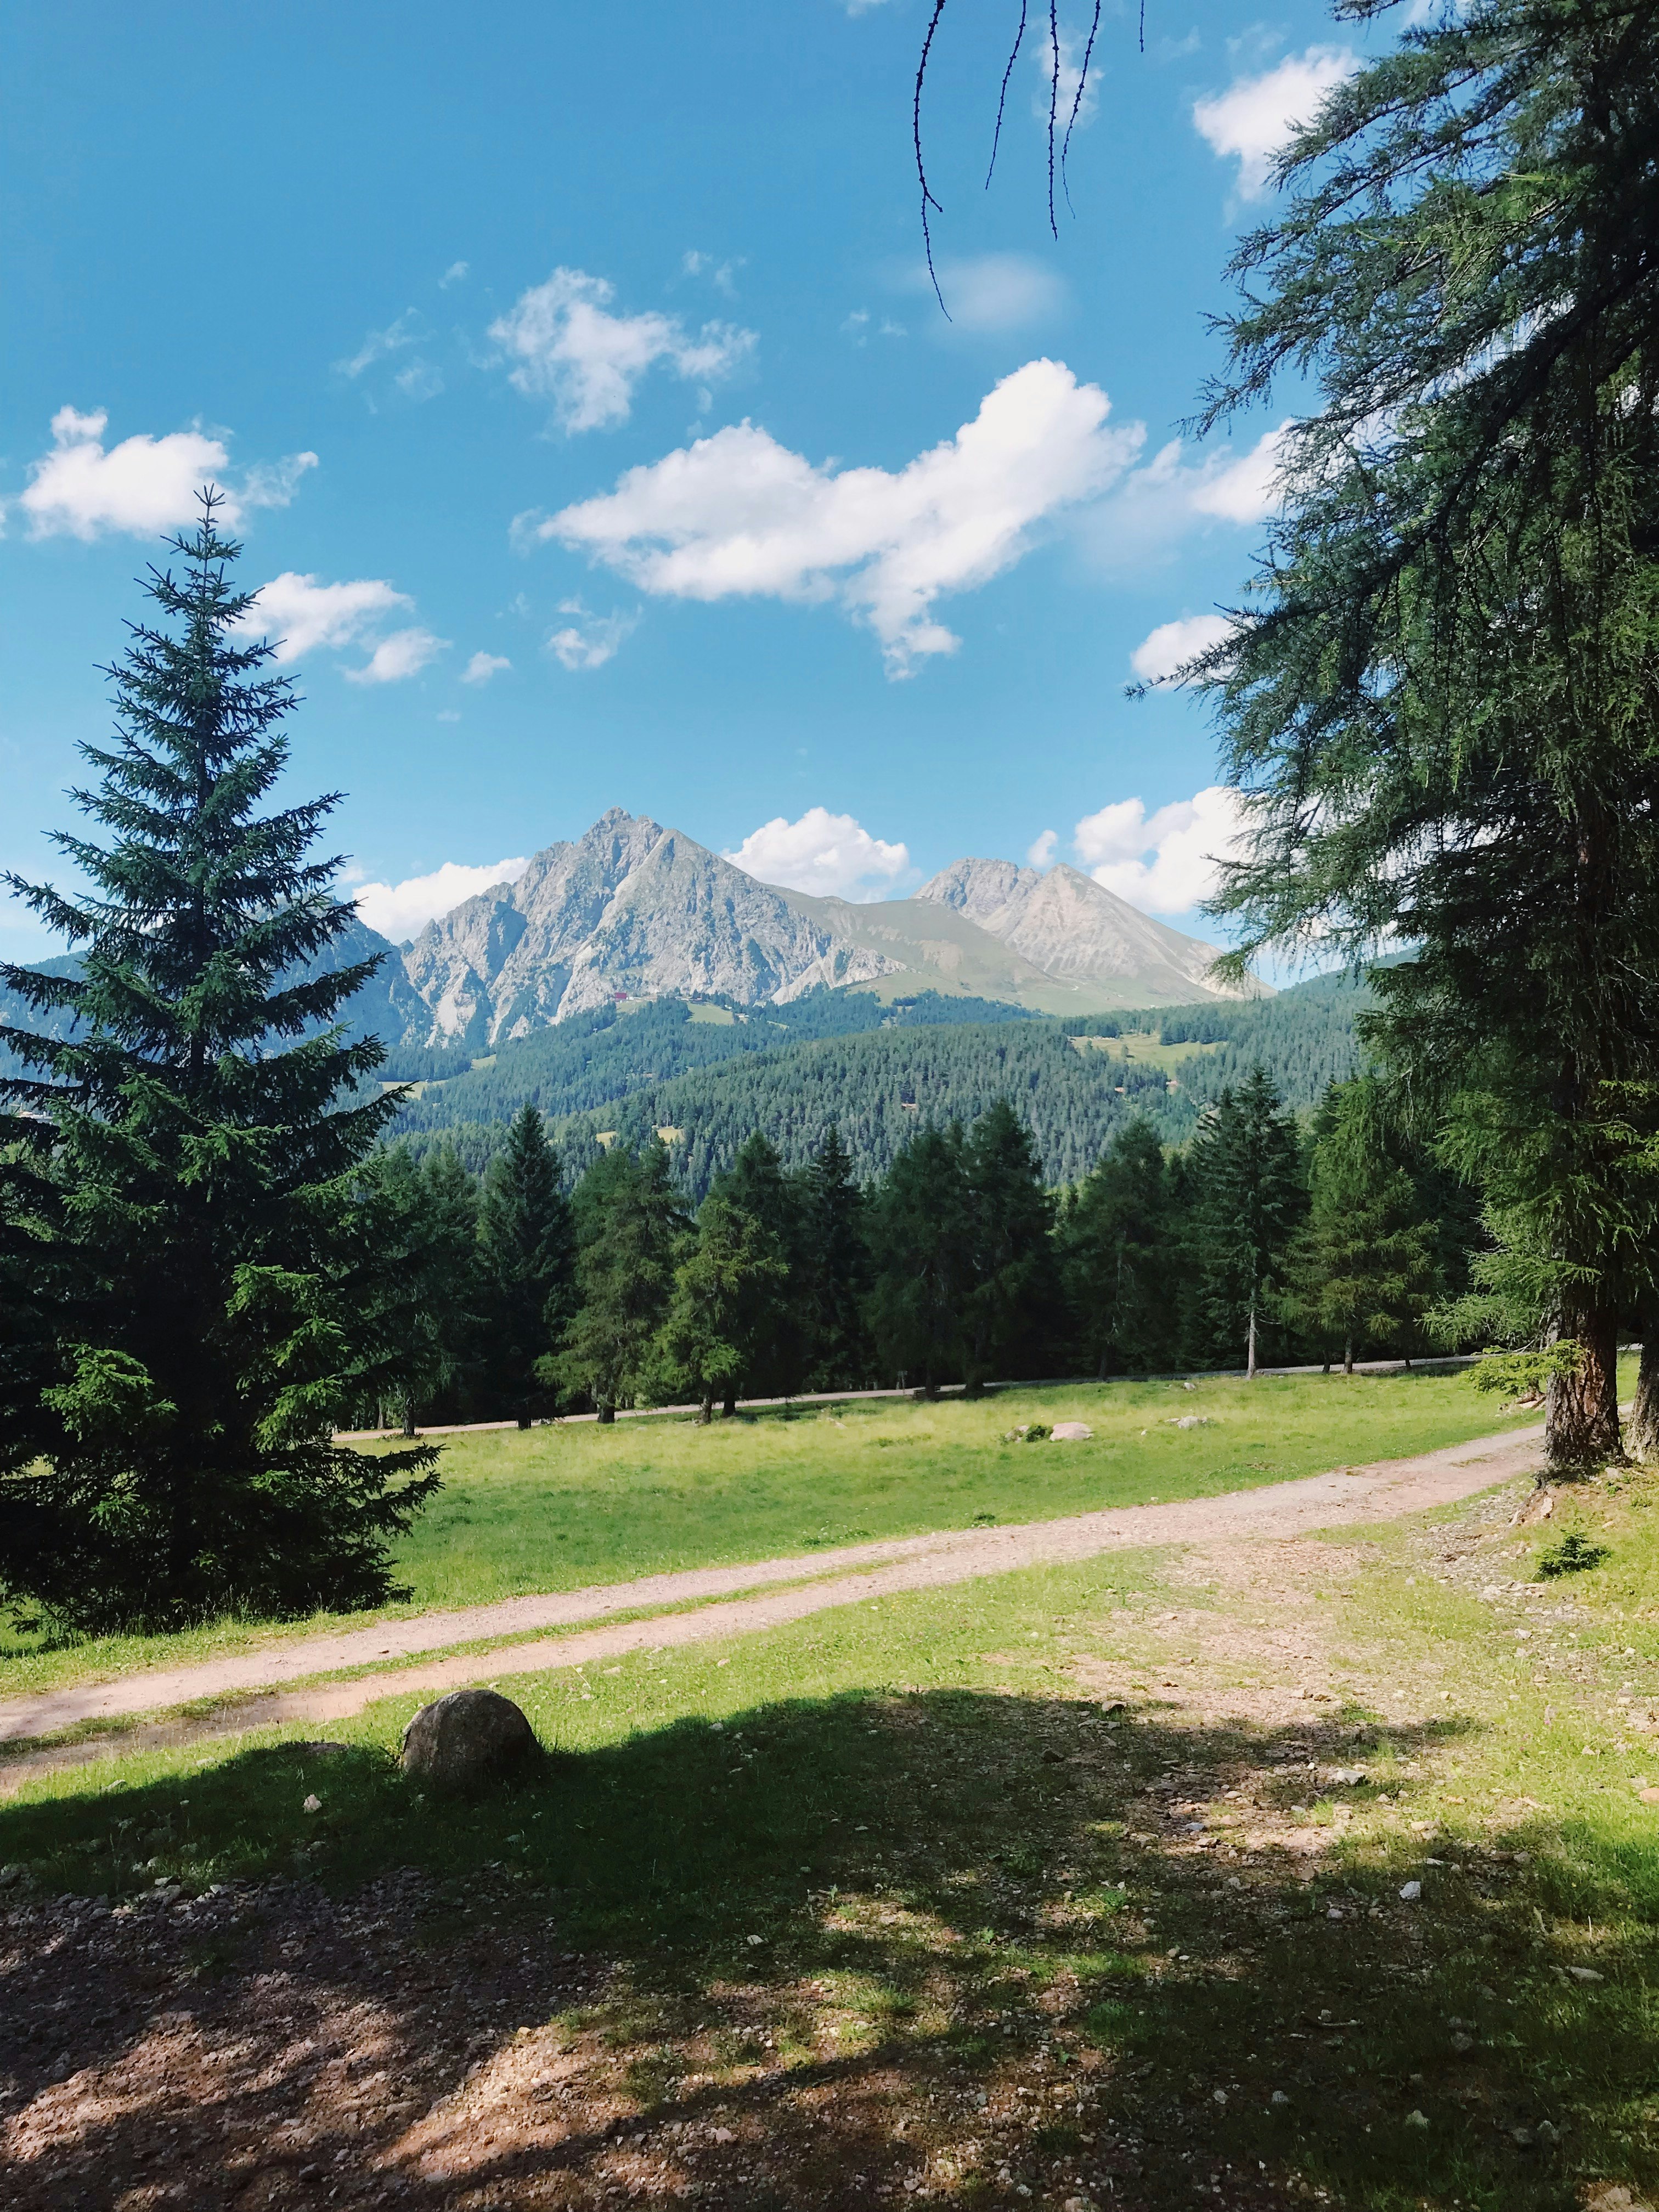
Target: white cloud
{"points": [[589, 640], [1058, 99], [1041, 851], [1254, 120], [405, 331], [420, 380], [273, 484], [831, 855], [720, 274], [401, 910], [1172, 644], [738, 514], [995, 291], [1156, 505], [457, 273], [483, 666], [1164, 862], [404, 653], [82, 489], [565, 346], [301, 614], [1248, 488]]}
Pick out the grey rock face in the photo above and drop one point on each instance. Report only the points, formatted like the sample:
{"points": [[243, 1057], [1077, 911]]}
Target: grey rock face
{"points": [[1073, 929], [467, 1740]]}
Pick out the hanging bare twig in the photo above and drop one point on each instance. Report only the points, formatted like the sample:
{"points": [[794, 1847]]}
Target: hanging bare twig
{"points": [[1002, 97]]}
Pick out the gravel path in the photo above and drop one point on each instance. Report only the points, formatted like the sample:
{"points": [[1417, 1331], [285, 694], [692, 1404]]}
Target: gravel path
{"points": [[1381, 1491]]}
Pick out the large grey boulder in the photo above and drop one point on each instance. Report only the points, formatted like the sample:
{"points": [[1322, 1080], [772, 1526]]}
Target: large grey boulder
{"points": [[466, 1741]]}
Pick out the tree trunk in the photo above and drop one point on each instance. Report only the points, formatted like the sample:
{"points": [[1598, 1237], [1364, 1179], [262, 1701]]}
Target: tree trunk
{"points": [[1581, 1421], [729, 1404], [1347, 1354], [523, 1420], [409, 1417], [706, 1410], [607, 1414], [1645, 1417], [1249, 1356]]}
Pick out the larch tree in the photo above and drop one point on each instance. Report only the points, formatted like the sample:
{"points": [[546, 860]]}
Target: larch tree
{"points": [[220, 1276], [1440, 696]]}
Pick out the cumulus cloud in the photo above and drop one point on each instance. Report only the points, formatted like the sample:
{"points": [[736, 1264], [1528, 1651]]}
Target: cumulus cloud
{"points": [[1173, 644], [1254, 120], [565, 345], [831, 855], [483, 666], [1165, 862], [1157, 504], [457, 273], [738, 514], [301, 614], [995, 291], [404, 653], [83, 488], [721, 275], [402, 910], [1041, 851], [588, 639]]}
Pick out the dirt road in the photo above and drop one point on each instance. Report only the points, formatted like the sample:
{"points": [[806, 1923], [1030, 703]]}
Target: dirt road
{"points": [[728, 1602]]}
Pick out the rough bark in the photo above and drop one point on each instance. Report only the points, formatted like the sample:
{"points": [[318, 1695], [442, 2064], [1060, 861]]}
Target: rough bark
{"points": [[1581, 1421], [607, 1414], [1643, 1432]]}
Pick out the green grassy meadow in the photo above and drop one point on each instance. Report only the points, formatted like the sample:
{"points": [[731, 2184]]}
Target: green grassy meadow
{"points": [[562, 1507], [917, 1850]]}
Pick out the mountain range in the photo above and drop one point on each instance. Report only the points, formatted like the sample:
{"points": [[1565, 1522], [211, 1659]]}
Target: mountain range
{"points": [[633, 910]]}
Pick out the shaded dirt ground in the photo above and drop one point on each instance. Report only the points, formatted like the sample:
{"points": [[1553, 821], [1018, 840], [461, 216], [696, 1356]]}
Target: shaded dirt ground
{"points": [[1106, 1943]]}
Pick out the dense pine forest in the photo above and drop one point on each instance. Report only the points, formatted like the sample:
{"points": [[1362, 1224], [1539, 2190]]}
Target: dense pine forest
{"points": [[883, 1074]]}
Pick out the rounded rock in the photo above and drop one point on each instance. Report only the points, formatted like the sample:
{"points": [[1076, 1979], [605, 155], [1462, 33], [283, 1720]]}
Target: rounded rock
{"points": [[467, 1740]]}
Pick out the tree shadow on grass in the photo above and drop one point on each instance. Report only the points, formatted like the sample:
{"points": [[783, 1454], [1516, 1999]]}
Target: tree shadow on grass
{"points": [[949, 1945]]}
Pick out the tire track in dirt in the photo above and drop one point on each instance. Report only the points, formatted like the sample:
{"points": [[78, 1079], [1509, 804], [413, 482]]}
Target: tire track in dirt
{"points": [[1384, 1490]]}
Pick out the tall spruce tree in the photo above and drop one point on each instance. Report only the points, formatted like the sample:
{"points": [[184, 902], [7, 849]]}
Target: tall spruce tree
{"points": [[527, 1256], [756, 1183], [728, 1285], [835, 1266], [220, 1275], [1443, 693], [1362, 1271], [1247, 1201], [921, 1233], [628, 1221], [1114, 1239], [1010, 1309], [426, 1216]]}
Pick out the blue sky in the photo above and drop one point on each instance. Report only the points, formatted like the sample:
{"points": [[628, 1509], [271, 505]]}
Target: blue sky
{"points": [[582, 404]]}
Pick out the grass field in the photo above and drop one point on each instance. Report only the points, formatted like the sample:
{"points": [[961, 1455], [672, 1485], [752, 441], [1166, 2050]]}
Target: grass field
{"points": [[560, 1508], [1071, 1884]]}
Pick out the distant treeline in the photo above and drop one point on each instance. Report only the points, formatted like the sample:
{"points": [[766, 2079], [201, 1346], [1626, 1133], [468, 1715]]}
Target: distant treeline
{"points": [[621, 1080], [1265, 1236]]}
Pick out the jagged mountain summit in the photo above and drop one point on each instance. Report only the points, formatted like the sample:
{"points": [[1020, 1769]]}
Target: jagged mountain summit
{"points": [[1069, 926], [632, 909]]}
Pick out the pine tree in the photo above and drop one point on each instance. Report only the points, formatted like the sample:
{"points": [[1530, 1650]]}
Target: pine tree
{"points": [[527, 1256], [922, 1238], [629, 1223], [221, 1277], [727, 1285], [834, 1270], [758, 1186], [1363, 1269], [1116, 1238], [432, 1316], [1011, 1307], [1249, 1198]]}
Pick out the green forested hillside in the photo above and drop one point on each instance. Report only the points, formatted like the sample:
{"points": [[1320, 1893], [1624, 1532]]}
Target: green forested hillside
{"points": [[879, 1084], [595, 1060]]}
